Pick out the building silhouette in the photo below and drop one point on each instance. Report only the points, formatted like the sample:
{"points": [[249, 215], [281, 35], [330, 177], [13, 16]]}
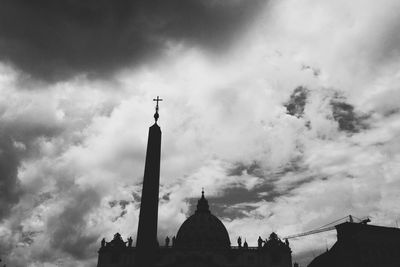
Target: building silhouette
{"points": [[202, 240], [362, 245]]}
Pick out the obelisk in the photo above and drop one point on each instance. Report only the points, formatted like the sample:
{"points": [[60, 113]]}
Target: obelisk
{"points": [[146, 243]]}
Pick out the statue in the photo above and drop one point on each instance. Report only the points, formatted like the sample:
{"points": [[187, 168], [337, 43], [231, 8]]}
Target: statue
{"points": [[245, 245], [117, 241], [167, 241], [130, 240], [103, 242], [273, 236], [259, 241], [239, 241], [173, 241], [117, 236]]}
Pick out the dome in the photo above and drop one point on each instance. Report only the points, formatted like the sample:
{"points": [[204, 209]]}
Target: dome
{"points": [[202, 230]]}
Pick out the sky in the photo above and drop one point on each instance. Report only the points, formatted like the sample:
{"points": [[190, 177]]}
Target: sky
{"points": [[286, 112]]}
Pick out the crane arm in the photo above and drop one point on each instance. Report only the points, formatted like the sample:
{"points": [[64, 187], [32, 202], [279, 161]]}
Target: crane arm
{"points": [[311, 232]]}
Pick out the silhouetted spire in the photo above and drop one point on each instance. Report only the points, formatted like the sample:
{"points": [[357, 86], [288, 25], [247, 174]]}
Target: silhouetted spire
{"points": [[202, 204], [147, 227], [156, 115]]}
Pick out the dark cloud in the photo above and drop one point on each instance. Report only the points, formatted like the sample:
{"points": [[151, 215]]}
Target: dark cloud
{"points": [[122, 206], [348, 119], [315, 71], [166, 196], [18, 136], [10, 189], [121, 215], [68, 229], [253, 169], [26, 132], [391, 112], [295, 165], [342, 112], [297, 102], [28, 237], [57, 39], [228, 204], [112, 203], [221, 206]]}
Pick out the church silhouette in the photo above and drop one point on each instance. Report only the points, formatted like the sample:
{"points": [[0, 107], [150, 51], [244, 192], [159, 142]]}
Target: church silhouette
{"points": [[201, 241]]}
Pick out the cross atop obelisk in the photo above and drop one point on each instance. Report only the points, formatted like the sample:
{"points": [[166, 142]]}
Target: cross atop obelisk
{"points": [[156, 116]]}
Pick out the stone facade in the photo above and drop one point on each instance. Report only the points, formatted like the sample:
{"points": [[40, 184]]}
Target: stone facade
{"points": [[202, 240], [273, 253]]}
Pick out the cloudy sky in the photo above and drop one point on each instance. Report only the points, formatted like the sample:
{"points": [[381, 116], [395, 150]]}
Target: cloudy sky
{"points": [[286, 112]]}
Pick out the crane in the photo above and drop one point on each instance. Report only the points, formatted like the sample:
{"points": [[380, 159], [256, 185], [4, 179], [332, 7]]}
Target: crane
{"points": [[330, 226]]}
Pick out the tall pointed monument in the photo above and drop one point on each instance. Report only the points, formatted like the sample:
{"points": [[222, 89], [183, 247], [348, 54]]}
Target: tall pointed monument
{"points": [[146, 242]]}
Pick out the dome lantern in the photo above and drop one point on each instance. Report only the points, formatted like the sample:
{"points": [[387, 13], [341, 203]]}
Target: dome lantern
{"points": [[202, 204]]}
